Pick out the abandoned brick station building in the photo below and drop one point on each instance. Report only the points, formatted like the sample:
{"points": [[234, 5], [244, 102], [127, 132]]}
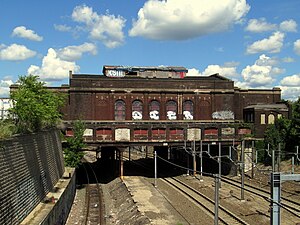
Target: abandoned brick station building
{"points": [[159, 105]]}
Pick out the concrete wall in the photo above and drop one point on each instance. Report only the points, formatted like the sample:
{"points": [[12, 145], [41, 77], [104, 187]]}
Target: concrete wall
{"points": [[30, 166]]}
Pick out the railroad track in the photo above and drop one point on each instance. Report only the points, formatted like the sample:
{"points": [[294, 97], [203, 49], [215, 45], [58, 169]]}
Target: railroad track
{"points": [[225, 216], [93, 203], [290, 205]]}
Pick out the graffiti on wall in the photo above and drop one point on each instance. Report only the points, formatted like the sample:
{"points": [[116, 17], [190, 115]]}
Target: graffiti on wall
{"points": [[154, 115], [187, 115], [171, 115], [136, 115], [223, 115]]}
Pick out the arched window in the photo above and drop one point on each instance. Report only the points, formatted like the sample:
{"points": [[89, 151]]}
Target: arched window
{"points": [[188, 110], [137, 110], [154, 110], [119, 110], [271, 119], [171, 109]]}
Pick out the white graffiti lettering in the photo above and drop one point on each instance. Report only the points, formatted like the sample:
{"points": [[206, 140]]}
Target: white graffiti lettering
{"points": [[171, 115], [223, 115], [154, 115], [187, 115], [136, 115]]}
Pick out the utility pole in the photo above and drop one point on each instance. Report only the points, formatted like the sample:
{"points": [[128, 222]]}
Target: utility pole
{"points": [[217, 182], [243, 171], [155, 169], [220, 165], [201, 166], [276, 179], [194, 158]]}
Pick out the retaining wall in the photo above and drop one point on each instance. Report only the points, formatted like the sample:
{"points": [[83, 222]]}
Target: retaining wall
{"points": [[30, 166]]}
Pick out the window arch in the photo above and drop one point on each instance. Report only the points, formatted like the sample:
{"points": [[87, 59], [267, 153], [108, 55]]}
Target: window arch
{"points": [[119, 110], [271, 119], [137, 110], [188, 110], [171, 108], [154, 109]]}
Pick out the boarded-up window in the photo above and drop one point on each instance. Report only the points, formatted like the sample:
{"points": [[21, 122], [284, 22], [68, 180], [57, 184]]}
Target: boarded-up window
{"points": [[88, 132], [137, 110], [143, 132], [158, 131], [104, 134], [243, 131], [103, 131], [119, 110], [171, 108], [211, 131], [154, 109], [176, 133], [271, 119], [262, 118], [188, 110]]}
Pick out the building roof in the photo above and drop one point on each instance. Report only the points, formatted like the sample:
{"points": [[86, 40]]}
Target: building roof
{"points": [[277, 106], [145, 68]]}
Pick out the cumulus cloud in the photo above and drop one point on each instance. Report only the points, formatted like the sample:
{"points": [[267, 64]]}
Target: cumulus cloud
{"points": [[293, 80], [273, 44], [297, 47], [62, 28], [15, 52], [105, 28], [193, 72], [260, 25], [179, 20], [213, 69], [4, 86], [288, 59], [53, 68], [288, 26], [23, 32], [291, 93], [72, 53], [260, 73]]}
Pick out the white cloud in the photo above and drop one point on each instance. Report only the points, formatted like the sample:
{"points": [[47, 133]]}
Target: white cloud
{"points": [[53, 68], [194, 72], [106, 28], [62, 28], [260, 25], [288, 60], [213, 69], [293, 80], [273, 44], [179, 20], [223, 71], [72, 53], [260, 73], [288, 26], [4, 86], [297, 46], [15, 52], [23, 32], [290, 93]]}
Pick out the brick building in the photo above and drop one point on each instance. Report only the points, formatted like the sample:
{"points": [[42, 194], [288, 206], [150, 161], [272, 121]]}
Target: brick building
{"points": [[162, 104]]}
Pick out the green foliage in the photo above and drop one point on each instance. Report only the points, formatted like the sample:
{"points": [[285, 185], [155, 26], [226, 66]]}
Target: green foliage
{"points": [[35, 107], [7, 129], [74, 145], [285, 131]]}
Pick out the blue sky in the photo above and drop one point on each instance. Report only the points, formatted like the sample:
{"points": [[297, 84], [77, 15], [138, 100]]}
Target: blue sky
{"points": [[256, 43]]}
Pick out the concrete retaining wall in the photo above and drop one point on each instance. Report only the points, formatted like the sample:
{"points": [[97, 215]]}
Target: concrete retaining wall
{"points": [[30, 166]]}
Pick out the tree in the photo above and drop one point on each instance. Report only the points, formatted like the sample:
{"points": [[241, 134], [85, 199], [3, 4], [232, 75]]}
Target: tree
{"points": [[74, 145], [35, 108]]}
